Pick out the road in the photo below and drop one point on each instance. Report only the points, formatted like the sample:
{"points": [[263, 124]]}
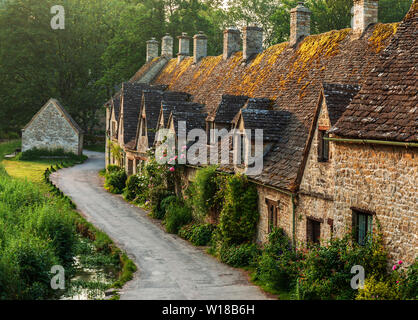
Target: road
{"points": [[170, 268]]}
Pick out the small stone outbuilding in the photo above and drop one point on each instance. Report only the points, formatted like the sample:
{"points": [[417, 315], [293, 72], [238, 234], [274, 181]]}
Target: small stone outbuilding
{"points": [[52, 127]]}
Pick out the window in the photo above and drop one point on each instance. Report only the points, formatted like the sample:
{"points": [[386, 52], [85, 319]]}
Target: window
{"points": [[362, 225], [130, 167], [313, 230], [323, 146], [113, 128], [273, 211], [242, 149], [143, 133]]}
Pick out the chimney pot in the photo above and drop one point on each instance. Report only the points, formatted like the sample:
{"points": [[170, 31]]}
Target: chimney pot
{"points": [[152, 49], [167, 46], [200, 46], [365, 14], [184, 46], [300, 23], [232, 40], [252, 41]]}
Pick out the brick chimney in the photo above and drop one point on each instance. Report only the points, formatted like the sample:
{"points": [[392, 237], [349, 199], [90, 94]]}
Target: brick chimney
{"points": [[167, 46], [184, 47], [152, 49], [200, 46], [300, 23], [252, 41], [365, 14], [232, 41]]}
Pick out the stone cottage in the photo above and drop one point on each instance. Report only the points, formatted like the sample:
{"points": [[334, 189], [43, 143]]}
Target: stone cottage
{"points": [[314, 184], [52, 127]]}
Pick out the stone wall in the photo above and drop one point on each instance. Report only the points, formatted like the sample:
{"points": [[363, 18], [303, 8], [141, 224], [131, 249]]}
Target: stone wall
{"points": [[200, 46], [51, 130], [300, 23], [152, 49], [365, 13], [383, 180], [231, 43], [285, 213]]}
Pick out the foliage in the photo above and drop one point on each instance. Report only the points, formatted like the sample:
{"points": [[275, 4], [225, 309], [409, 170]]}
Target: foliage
{"points": [[115, 181], [279, 265], [36, 154], [375, 289], [132, 188], [239, 215], [198, 234], [409, 282], [156, 195], [327, 269], [204, 188], [242, 255], [177, 215]]}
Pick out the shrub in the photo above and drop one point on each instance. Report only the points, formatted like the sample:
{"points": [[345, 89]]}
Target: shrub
{"points": [[279, 265], [132, 188], [33, 258], [48, 222], [199, 235], [239, 215], [409, 283], [156, 196], [177, 215], [112, 168], [204, 190], [36, 154], [327, 270], [239, 255], [115, 181], [375, 289]]}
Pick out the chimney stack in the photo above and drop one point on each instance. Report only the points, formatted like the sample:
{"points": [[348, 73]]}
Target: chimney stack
{"points": [[252, 41], [167, 46], [365, 14], [200, 46], [300, 23], [152, 49], [184, 47], [232, 40]]}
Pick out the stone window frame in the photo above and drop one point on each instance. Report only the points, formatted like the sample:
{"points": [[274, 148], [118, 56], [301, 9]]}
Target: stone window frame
{"points": [[272, 217], [310, 223], [356, 212], [323, 145]]}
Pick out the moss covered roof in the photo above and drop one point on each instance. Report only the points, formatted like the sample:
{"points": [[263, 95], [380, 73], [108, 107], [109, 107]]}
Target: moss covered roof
{"points": [[291, 77]]}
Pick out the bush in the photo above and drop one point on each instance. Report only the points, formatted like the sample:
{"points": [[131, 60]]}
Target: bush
{"points": [[327, 270], [177, 215], [112, 168], [375, 289], [199, 235], [239, 255], [36, 154], [204, 190], [57, 225], [409, 283], [133, 188], [156, 196], [239, 215], [115, 181], [279, 265]]}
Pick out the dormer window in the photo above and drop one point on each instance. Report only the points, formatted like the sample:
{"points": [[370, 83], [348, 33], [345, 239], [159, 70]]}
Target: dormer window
{"points": [[143, 131], [323, 146]]}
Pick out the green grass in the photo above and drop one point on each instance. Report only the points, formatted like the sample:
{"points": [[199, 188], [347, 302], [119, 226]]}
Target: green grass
{"points": [[8, 147]]}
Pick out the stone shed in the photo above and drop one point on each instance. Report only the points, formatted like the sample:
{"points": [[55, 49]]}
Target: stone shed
{"points": [[52, 127]]}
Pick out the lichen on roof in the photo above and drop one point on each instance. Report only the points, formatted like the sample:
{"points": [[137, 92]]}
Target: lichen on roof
{"points": [[381, 33]]}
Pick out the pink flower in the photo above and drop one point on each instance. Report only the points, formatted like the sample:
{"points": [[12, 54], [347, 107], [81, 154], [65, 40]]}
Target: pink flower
{"points": [[397, 281], [172, 169], [184, 148], [175, 158], [182, 156], [394, 267], [400, 262]]}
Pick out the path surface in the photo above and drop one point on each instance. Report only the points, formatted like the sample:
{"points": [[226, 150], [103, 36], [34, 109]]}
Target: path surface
{"points": [[169, 267]]}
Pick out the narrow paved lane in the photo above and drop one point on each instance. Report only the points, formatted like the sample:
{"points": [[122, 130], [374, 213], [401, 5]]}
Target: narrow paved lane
{"points": [[169, 267]]}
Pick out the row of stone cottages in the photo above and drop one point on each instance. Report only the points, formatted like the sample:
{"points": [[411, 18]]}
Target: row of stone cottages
{"points": [[338, 110]]}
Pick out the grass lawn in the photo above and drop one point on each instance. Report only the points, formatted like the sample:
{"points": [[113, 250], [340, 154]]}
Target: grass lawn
{"points": [[9, 147], [31, 170]]}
